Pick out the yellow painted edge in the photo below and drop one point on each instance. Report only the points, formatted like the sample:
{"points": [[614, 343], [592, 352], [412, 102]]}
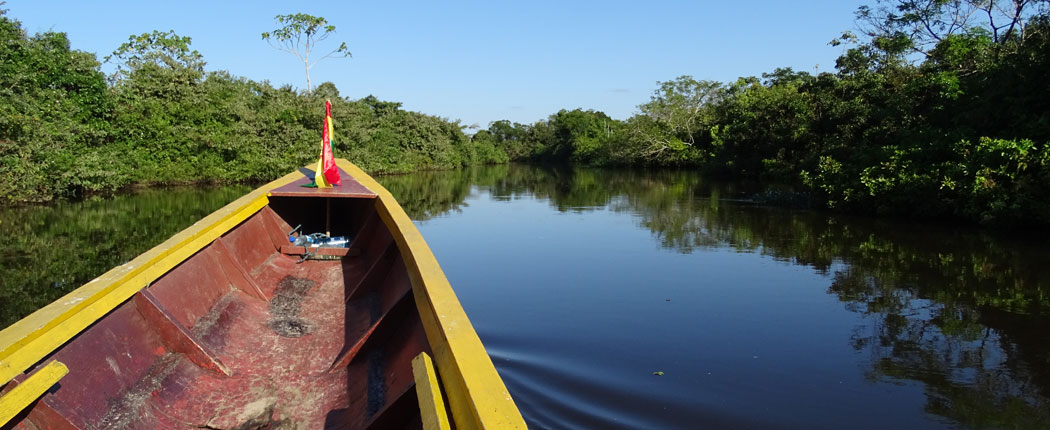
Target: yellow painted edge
{"points": [[29, 340], [431, 405], [462, 401], [476, 394], [15, 401], [36, 348]]}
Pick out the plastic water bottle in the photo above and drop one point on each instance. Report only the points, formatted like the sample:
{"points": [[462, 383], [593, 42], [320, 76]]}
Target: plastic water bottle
{"points": [[304, 240], [319, 240], [336, 242]]}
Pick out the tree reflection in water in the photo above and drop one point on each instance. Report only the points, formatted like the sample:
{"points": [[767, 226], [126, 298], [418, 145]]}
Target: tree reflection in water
{"points": [[961, 311], [49, 251]]}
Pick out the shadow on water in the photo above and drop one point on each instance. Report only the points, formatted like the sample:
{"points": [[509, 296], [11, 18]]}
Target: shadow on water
{"points": [[961, 313]]}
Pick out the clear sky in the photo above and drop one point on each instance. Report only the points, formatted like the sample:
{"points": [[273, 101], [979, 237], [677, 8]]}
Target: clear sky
{"points": [[481, 61]]}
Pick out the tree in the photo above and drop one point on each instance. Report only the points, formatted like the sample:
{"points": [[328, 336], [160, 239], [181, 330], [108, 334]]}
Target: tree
{"points": [[925, 23], [675, 114], [163, 50], [299, 35], [580, 135], [54, 111]]}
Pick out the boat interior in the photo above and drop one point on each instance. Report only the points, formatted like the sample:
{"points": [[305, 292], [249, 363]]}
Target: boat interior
{"points": [[242, 335]]}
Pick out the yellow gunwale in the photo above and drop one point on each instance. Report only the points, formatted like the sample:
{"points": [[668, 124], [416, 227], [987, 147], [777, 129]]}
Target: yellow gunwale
{"points": [[29, 390], [477, 396], [31, 339]]}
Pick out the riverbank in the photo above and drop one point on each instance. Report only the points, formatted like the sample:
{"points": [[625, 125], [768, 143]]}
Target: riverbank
{"points": [[68, 130], [952, 126], [962, 135]]}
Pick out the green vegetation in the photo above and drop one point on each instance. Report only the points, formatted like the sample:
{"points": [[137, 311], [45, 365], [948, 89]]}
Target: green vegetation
{"points": [[941, 111], [299, 35], [67, 130]]}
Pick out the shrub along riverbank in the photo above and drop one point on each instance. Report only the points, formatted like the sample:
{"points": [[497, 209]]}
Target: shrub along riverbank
{"points": [[66, 129], [934, 113]]}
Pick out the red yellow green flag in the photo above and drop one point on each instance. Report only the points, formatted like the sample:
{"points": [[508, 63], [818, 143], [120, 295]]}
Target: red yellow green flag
{"points": [[327, 174]]}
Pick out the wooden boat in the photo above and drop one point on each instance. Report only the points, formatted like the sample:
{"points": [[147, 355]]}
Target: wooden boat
{"points": [[220, 327]]}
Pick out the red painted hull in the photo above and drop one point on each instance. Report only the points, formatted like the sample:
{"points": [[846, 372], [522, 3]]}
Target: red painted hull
{"points": [[241, 336]]}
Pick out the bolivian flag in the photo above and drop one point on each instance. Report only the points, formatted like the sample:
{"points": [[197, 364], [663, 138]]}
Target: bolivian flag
{"points": [[327, 174]]}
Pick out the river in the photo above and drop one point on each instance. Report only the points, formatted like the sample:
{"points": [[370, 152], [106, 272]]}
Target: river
{"points": [[656, 299]]}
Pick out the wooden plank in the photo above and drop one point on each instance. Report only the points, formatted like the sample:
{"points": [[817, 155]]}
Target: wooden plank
{"points": [[477, 396], [349, 189], [12, 403], [175, 336], [365, 232], [237, 273], [375, 275], [28, 341], [395, 413], [428, 393], [43, 416], [278, 234], [395, 312], [321, 250]]}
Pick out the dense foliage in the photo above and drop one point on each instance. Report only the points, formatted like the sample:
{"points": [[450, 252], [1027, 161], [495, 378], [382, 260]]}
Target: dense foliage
{"points": [[940, 109], [935, 113], [67, 129]]}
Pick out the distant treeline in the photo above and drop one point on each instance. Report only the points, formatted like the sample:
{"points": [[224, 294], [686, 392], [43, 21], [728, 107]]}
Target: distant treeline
{"points": [[67, 129], [939, 110]]}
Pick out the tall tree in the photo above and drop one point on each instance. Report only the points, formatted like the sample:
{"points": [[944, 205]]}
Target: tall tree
{"points": [[676, 114], [299, 35], [925, 23], [158, 49]]}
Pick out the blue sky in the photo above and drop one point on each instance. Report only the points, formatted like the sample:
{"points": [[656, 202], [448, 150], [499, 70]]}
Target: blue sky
{"points": [[481, 61]]}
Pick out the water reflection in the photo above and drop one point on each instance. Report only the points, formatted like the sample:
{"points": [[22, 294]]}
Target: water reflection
{"points": [[50, 250], [960, 311]]}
